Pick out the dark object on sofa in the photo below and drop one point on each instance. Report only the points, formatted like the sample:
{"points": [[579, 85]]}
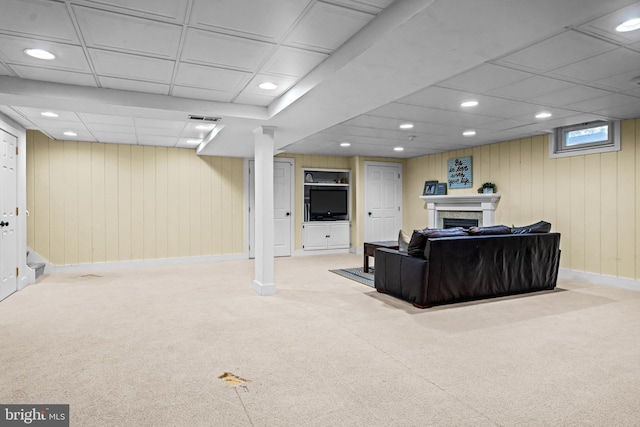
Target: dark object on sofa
{"points": [[492, 230], [538, 227], [463, 268]]}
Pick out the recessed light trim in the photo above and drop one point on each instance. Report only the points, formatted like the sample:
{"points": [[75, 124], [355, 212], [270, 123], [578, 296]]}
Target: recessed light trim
{"points": [[48, 114], [205, 127], [268, 86], [398, 148], [543, 115], [345, 144], [406, 126], [194, 141], [40, 54], [70, 133], [629, 25], [469, 132], [467, 104]]}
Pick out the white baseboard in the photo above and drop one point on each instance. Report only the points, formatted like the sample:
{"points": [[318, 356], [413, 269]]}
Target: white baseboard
{"points": [[302, 252], [140, 263], [264, 289], [599, 279]]}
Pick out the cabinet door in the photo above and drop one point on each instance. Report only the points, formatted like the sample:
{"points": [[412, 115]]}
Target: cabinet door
{"points": [[339, 236], [315, 237]]}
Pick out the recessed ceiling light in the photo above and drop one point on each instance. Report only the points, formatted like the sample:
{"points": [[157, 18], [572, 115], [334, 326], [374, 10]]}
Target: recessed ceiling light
{"points": [[630, 25], [268, 86], [70, 133], [204, 127], [398, 149], [469, 132], [48, 114], [39, 53], [543, 115], [194, 141], [345, 144], [406, 126], [469, 104]]}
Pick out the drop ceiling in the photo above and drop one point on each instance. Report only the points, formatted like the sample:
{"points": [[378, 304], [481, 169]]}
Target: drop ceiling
{"points": [[132, 71]]}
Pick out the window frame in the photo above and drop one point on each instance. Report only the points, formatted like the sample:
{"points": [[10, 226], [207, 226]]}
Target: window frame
{"points": [[558, 147]]}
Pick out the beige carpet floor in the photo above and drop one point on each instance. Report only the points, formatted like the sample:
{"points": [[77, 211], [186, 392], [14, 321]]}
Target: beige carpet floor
{"points": [[146, 347]]}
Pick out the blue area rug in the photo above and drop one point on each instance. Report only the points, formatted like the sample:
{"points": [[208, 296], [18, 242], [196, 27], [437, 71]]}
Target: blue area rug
{"points": [[356, 274]]}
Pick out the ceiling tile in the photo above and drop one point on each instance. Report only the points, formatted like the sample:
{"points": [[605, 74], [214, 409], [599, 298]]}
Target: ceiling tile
{"points": [[569, 96], [284, 83], [56, 76], [311, 31], [601, 66], [187, 143], [82, 135], [38, 19], [606, 102], [622, 82], [68, 57], [114, 64], [211, 78], [621, 112], [105, 127], [485, 78], [530, 88], [107, 119], [121, 32], [160, 125], [200, 93], [266, 19], [157, 140], [34, 114], [371, 6], [606, 25], [209, 48], [134, 85], [292, 62], [4, 71], [557, 51], [173, 10]]}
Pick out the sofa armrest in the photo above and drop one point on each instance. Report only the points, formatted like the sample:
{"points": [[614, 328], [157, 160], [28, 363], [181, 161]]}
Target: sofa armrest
{"points": [[401, 275]]}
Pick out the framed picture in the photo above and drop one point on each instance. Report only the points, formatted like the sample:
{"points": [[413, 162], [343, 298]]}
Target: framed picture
{"points": [[441, 188], [429, 188], [460, 172]]}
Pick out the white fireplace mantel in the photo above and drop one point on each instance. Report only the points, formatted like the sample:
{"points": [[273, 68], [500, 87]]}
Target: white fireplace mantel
{"points": [[485, 203]]}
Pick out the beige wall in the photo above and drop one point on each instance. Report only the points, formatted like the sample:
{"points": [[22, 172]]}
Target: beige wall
{"points": [[92, 203], [592, 199]]}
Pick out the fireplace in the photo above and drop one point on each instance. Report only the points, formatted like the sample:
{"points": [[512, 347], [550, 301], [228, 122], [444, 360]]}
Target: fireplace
{"points": [[459, 222], [480, 207]]}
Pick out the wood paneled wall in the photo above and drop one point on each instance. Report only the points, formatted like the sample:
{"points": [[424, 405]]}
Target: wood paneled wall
{"points": [[591, 199], [93, 203]]}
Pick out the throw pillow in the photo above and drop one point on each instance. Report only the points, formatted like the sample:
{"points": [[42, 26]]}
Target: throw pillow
{"points": [[538, 227], [417, 243], [489, 231], [403, 242]]}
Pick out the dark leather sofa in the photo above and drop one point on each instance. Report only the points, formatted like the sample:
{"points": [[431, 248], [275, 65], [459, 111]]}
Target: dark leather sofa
{"points": [[462, 268]]}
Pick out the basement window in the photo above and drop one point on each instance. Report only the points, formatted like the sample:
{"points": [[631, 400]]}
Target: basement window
{"points": [[585, 138]]}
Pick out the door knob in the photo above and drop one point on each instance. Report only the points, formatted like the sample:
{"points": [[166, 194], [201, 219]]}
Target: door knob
{"points": [[288, 213], [369, 213], [4, 224]]}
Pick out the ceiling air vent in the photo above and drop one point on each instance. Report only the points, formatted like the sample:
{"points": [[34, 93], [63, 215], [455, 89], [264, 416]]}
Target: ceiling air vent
{"points": [[205, 118]]}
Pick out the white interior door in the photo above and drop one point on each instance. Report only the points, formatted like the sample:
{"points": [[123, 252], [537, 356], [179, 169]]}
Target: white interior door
{"points": [[383, 201], [8, 203], [282, 203]]}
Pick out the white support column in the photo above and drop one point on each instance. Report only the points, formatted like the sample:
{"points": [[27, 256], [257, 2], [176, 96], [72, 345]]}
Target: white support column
{"points": [[263, 284]]}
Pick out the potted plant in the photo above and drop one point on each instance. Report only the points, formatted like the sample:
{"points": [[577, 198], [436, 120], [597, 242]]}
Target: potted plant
{"points": [[489, 187]]}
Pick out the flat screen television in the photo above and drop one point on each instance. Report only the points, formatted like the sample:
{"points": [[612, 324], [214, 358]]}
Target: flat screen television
{"points": [[328, 204]]}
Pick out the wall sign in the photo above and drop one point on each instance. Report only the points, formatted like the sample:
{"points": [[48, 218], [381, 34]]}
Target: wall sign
{"points": [[460, 172]]}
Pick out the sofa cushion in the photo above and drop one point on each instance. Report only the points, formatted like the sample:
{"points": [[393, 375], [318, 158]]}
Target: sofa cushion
{"points": [[538, 227], [403, 242], [489, 231], [417, 243]]}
